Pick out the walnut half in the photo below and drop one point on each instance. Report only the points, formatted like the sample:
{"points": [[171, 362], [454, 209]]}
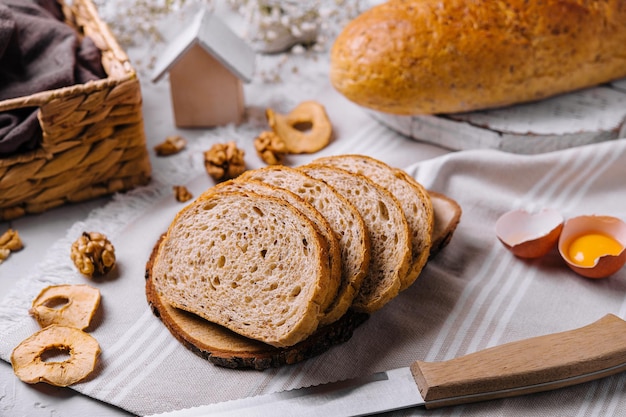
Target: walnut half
{"points": [[93, 254], [270, 147], [224, 161], [171, 145], [181, 193]]}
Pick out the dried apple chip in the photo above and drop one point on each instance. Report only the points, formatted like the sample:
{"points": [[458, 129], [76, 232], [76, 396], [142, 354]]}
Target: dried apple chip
{"points": [[66, 305], [306, 129], [33, 360]]}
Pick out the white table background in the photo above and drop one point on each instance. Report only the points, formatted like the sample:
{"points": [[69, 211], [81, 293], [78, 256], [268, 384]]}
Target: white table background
{"points": [[39, 232], [304, 78]]}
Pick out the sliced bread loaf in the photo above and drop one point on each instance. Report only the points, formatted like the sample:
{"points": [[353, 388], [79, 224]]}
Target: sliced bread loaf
{"points": [[250, 263], [413, 198], [344, 219], [331, 243], [387, 229], [226, 348]]}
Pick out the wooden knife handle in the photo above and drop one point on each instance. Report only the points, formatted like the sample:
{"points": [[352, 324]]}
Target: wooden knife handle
{"points": [[532, 365]]}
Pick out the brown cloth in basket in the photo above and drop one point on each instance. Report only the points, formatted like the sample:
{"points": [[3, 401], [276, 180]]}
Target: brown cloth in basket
{"points": [[38, 52]]}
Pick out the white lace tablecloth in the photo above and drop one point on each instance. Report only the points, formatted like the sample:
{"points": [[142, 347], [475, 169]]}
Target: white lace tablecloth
{"points": [[473, 295]]}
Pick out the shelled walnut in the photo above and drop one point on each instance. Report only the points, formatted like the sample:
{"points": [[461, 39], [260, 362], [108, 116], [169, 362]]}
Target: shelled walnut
{"points": [[93, 254], [270, 147], [4, 254], [171, 145], [224, 161], [9, 242], [181, 193]]}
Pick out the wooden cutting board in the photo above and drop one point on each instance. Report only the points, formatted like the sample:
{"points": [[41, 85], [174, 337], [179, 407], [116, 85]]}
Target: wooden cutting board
{"points": [[579, 118], [223, 347]]}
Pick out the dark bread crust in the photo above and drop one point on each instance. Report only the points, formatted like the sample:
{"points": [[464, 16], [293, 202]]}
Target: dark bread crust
{"points": [[223, 347], [432, 57]]}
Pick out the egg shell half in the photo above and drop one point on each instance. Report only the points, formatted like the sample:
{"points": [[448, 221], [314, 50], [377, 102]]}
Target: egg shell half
{"points": [[582, 225], [529, 235]]}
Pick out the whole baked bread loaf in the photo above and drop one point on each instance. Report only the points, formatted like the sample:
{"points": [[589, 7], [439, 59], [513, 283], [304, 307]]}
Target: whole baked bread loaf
{"points": [[433, 56], [344, 219], [251, 263], [388, 231]]}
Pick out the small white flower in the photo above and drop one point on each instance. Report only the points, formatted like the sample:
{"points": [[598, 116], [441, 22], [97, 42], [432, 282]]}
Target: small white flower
{"points": [[295, 31], [325, 12], [297, 49], [308, 27]]}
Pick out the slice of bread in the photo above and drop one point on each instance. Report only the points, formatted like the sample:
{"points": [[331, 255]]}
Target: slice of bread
{"points": [[250, 263], [387, 229], [320, 222], [344, 219], [447, 217], [226, 348], [413, 198]]}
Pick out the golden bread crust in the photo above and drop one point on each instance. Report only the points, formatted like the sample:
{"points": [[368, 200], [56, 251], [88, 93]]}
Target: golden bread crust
{"points": [[429, 56]]}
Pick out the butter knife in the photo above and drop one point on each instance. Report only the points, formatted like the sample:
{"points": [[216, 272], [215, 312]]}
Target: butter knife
{"points": [[523, 367]]}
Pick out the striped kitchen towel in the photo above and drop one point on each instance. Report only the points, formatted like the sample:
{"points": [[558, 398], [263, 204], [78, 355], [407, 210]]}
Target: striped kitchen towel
{"points": [[474, 294]]}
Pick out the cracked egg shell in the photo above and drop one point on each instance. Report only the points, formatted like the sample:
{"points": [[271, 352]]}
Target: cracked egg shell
{"points": [[529, 235], [594, 246]]}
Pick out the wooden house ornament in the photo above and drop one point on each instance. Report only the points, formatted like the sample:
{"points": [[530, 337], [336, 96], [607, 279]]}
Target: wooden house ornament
{"points": [[207, 65]]}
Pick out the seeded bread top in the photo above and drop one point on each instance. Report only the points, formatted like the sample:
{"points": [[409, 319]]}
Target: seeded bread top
{"points": [[432, 57]]}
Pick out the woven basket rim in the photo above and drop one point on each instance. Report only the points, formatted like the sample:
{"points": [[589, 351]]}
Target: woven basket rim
{"points": [[40, 98], [43, 97]]}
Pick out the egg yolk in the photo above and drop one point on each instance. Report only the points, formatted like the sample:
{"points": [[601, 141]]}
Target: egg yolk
{"points": [[585, 249]]}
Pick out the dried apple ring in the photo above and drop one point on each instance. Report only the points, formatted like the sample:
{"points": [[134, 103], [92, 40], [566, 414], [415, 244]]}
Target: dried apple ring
{"points": [[30, 365], [66, 305], [302, 140]]}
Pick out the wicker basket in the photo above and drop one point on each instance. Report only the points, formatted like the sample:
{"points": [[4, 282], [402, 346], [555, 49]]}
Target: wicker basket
{"points": [[93, 134]]}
